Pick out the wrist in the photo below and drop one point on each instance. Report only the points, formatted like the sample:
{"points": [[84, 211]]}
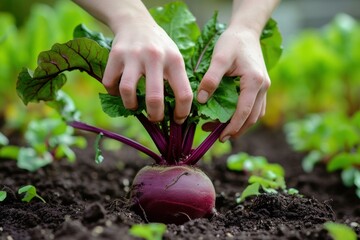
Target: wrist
{"points": [[131, 16]]}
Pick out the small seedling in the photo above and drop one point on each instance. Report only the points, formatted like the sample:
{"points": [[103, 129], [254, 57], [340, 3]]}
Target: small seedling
{"points": [[30, 193], [340, 231], [151, 231], [3, 195], [264, 176], [48, 140]]}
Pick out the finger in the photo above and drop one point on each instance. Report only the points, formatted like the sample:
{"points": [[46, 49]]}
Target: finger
{"points": [[263, 108], [154, 92], [245, 105], [128, 84], [217, 69], [112, 74], [254, 116], [180, 85]]}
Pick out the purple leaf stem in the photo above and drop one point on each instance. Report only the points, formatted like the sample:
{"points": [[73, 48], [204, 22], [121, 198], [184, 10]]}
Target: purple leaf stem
{"points": [[197, 154], [83, 126], [188, 139], [154, 132], [175, 143]]}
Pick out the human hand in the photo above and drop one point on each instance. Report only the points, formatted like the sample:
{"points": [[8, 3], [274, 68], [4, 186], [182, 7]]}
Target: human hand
{"points": [[142, 48], [238, 53]]}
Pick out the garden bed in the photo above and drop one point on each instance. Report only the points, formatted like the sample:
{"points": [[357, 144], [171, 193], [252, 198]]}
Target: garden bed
{"points": [[88, 201]]}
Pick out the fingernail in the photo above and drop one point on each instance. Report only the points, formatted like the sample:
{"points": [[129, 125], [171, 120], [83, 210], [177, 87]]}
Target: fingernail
{"points": [[224, 139], [180, 121], [202, 96]]}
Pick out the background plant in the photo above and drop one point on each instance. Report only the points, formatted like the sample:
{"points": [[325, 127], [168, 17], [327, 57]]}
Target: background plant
{"points": [[332, 139], [46, 140], [318, 72], [151, 231], [263, 176]]}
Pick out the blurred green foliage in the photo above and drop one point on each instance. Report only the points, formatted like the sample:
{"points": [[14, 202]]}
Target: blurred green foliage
{"points": [[20, 45], [319, 71]]}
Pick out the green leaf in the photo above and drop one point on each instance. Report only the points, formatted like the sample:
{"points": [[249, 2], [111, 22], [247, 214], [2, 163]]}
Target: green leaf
{"points": [[114, 107], [250, 190], [30, 193], [3, 195], [271, 44], [78, 54], [340, 231], [11, 152], [179, 23], [98, 153], [31, 89], [65, 106], [343, 161], [236, 162], [28, 159], [201, 58], [265, 183], [81, 31], [150, 231], [348, 176], [63, 150], [311, 160], [222, 104], [3, 140]]}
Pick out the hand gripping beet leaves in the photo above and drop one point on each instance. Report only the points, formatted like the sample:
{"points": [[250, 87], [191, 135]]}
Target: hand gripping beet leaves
{"points": [[89, 51], [172, 190]]}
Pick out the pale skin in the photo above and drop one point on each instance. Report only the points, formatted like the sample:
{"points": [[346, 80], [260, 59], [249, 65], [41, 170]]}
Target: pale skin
{"points": [[142, 48]]}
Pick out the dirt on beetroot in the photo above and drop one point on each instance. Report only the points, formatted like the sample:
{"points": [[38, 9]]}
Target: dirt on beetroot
{"points": [[85, 200]]}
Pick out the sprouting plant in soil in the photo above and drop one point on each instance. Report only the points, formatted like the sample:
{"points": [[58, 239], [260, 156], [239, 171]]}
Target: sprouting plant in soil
{"points": [[332, 139], [173, 190], [29, 192], [340, 231], [150, 231], [3, 195], [47, 140], [264, 176]]}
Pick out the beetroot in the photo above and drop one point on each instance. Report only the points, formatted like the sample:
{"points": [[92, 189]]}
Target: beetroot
{"points": [[173, 194]]}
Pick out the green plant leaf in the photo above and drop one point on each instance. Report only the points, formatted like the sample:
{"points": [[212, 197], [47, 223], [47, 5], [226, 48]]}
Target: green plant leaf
{"points": [[98, 153], [271, 44], [221, 106], [200, 61], [3, 140], [78, 54], [29, 159], [65, 106], [3, 195], [265, 183], [150, 231], [114, 107], [343, 161], [348, 176], [9, 151], [340, 231], [179, 23], [30, 193], [311, 160], [250, 190], [81, 31]]}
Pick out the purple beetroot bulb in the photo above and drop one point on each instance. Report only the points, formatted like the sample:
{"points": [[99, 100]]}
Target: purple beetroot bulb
{"points": [[173, 194]]}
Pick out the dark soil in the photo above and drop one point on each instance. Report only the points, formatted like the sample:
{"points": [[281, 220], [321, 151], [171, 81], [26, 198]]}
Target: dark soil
{"points": [[88, 201]]}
